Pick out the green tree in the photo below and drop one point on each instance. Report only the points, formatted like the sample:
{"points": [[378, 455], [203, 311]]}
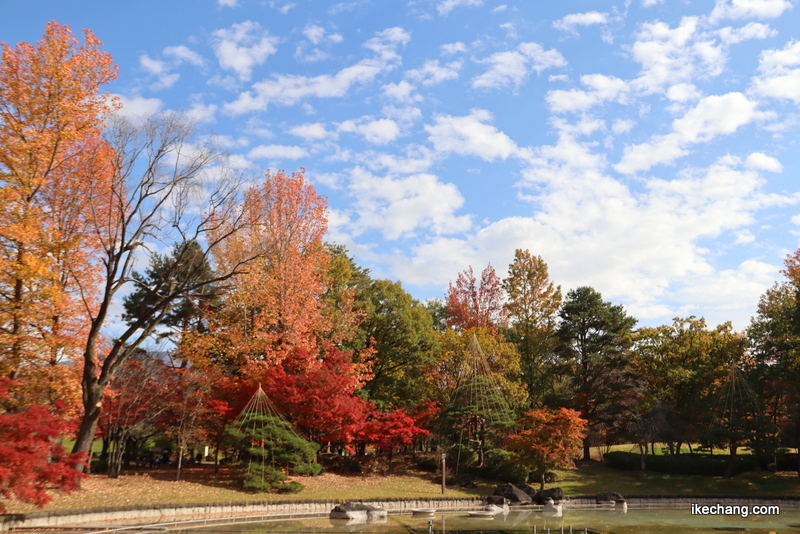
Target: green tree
{"points": [[477, 376], [271, 447], [187, 264], [532, 303], [595, 338], [397, 327], [405, 344]]}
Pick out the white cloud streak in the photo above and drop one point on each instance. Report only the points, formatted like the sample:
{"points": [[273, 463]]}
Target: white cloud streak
{"points": [[513, 67]]}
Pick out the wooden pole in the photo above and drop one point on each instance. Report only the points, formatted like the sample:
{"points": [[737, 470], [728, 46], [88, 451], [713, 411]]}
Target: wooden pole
{"points": [[444, 472]]}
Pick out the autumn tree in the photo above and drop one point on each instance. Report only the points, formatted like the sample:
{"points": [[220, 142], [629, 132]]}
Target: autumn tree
{"points": [[158, 170], [286, 321], [31, 459], [134, 401], [774, 335], [684, 362], [532, 305], [595, 337], [547, 440], [53, 164], [318, 395], [278, 306], [471, 303], [185, 405]]}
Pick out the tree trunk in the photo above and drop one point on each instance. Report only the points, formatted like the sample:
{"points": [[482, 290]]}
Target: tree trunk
{"points": [[93, 408], [115, 458], [587, 450], [180, 458], [732, 465]]}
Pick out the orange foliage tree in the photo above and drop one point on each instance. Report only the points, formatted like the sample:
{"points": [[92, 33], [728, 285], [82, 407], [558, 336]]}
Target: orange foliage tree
{"points": [[51, 120], [275, 309], [547, 440], [274, 325]]}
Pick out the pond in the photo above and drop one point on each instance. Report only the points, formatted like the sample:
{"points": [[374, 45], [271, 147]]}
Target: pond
{"points": [[634, 521]]}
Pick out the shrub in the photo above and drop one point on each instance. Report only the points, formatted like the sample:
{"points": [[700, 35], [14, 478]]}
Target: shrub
{"points": [[307, 469]]}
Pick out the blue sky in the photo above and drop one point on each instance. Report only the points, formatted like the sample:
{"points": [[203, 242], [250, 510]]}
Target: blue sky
{"points": [[647, 148]]}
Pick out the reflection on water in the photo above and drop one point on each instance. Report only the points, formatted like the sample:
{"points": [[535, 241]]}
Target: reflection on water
{"points": [[635, 521]]}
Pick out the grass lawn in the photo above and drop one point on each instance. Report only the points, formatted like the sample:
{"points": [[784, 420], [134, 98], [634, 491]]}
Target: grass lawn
{"points": [[202, 484]]}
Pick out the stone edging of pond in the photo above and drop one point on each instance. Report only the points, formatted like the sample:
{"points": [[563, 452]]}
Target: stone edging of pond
{"points": [[166, 513]]}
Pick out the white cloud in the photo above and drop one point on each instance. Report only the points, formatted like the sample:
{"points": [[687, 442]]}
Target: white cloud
{"points": [[318, 37], [314, 33], [282, 7], [376, 132], [401, 92], [398, 206], [500, 8], [780, 73], [602, 89], [435, 261], [183, 54], [453, 48], [276, 152], [714, 115], [202, 112], [311, 131], [674, 55], [749, 9], [717, 115], [513, 66], [447, 6], [242, 47], [651, 3], [752, 30], [511, 30], [228, 3], [760, 161], [569, 22], [139, 106], [471, 136], [153, 66], [621, 126], [286, 89], [694, 205], [431, 73], [405, 116], [683, 92]]}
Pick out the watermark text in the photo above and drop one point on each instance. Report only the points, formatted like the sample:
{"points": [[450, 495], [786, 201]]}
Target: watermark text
{"points": [[742, 510]]}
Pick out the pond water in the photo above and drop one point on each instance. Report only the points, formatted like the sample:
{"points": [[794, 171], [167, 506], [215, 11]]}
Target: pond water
{"points": [[634, 521]]}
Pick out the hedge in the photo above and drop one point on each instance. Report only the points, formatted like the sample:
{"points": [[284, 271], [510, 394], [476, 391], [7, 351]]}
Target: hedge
{"points": [[681, 464]]}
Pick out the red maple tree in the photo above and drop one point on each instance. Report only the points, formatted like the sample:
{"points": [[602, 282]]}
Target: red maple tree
{"points": [[472, 304], [31, 460]]}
